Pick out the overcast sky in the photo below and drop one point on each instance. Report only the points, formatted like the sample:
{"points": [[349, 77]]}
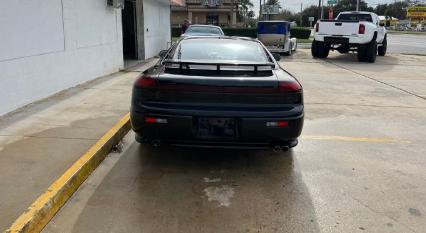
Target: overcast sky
{"points": [[294, 5]]}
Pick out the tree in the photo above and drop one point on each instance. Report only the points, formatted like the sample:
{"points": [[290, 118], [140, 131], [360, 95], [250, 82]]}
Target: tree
{"points": [[273, 2], [243, 8], [350, 5], [381, 9], [396, 9], [251, 14], [245, 4], [286, 15]]}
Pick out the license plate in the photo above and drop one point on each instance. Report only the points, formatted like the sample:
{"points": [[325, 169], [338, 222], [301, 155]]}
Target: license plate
{"points": [[216, 128], [337, 40]]}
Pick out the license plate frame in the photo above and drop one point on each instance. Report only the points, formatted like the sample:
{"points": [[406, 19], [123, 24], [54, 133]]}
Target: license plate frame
{"points": [[216, 128], [336, 39]]}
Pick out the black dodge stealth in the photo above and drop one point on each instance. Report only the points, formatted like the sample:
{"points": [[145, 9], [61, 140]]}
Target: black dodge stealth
{"points": [[223, 92]]}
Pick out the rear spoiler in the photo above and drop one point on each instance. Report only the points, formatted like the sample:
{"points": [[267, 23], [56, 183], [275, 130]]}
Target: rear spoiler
{"points": [[184, 64]]}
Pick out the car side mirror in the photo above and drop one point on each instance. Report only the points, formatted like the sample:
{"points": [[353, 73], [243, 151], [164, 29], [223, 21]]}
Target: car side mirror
{"points": [[381, 24], [276, 56], [163, 53]]}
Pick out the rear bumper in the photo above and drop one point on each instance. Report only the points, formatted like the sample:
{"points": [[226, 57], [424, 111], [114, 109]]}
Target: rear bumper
{"points": [[354, 40], [251, 131], [277, 49]]}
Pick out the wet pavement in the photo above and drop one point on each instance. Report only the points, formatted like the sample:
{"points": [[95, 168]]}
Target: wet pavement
{"points": [[359, 167]]}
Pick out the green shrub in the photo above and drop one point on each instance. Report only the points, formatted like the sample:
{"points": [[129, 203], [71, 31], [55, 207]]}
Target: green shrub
{"points": [[176, 32], [243, 32], [298, 32]]}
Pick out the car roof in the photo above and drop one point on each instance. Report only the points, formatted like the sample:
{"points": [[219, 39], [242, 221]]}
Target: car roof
{"points": [[222, 38], [204, 25]]}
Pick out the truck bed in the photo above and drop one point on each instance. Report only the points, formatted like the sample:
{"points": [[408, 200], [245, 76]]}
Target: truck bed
{"points": [[338, 27]]}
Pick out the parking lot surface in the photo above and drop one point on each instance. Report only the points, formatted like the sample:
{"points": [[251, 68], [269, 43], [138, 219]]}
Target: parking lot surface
{"points": [[407, 43], [359, 167]]}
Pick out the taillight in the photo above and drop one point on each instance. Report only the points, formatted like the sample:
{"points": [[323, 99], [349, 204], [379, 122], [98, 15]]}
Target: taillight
{"points": [[279, 124], [290, 86], [361, 29], [316, 27], [146, 81], [150, 120]]}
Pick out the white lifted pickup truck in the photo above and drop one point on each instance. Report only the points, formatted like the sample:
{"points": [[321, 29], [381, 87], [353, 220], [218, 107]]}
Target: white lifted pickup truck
{"points": [[351, 31]]}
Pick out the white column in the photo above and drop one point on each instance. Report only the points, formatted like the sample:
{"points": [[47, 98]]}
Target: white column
{"points": [[190, 16], [234, 18]]}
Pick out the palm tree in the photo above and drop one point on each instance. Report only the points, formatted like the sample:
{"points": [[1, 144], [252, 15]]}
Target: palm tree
{"points": [[243, 8]]}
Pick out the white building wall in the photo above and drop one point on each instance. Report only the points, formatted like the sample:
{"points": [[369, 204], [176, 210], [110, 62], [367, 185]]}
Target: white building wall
{"points": [[157, 34], [50, 45]]}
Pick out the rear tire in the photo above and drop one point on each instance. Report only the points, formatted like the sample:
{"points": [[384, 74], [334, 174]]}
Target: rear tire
{"points": [[361, 53], [368, 52], [314, 49], [383, 48], [371, 52], [320, 49]]}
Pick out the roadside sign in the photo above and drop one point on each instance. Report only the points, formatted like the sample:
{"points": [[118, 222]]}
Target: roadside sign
{"points": [[311, 19], [270, 9], [331, 2], [416, 12]]}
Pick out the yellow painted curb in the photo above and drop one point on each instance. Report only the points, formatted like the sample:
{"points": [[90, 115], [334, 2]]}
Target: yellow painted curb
{"points": [[35, 218]]}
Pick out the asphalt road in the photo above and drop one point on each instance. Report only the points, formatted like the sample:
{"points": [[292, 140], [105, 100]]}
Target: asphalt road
{"points": [[359, 167], [407, 43]]}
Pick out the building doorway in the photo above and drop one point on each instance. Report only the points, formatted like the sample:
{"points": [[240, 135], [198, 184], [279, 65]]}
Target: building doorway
{"points": [[129, 20], [212, 19]]}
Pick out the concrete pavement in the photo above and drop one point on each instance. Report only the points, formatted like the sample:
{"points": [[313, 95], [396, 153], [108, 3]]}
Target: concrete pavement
{"points": [[39, 142], [407, 43], [359, 166]]}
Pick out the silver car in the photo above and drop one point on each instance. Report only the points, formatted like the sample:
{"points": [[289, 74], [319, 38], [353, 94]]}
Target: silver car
{"points": [[203, 30]]}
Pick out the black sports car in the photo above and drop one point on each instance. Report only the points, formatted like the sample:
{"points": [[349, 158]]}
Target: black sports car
{"points": [[222, 92]]}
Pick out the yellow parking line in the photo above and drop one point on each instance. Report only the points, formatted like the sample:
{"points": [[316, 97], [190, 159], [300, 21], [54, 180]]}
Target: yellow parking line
{"points": [[355, 139], [35, 218]]}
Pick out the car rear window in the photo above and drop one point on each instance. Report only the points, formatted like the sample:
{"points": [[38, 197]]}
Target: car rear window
{"points": [[356, 17], [272, 28], [214, 49], [206, 30]]}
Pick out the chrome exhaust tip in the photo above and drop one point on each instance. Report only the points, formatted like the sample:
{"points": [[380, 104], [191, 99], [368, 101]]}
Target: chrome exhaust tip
{"points": [[276, 149], [156, 143]]}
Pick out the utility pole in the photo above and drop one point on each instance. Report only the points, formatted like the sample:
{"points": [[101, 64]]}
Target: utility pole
{"points": [[322, 9], [357, 5], [263, 16], [260, 9], [319, 9], [301, 9]]}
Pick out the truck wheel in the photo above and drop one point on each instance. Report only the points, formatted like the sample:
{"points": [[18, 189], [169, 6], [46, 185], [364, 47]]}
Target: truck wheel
{"points": [[323, 50], [314, 50], [320, 49], [383, 48], [362, 53], [371, 52]]}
